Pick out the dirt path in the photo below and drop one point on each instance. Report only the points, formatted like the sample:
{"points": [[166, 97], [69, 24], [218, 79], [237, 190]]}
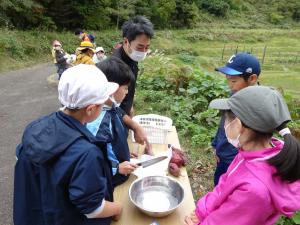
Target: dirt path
{"points": [[24, 95]]}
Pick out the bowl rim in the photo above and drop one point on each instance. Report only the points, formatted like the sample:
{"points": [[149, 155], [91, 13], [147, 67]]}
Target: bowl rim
{"points": [[141, 178]]}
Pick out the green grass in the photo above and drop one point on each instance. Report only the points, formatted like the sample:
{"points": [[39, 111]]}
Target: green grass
{"points": [[24, 48], [201, 47], [288, 81], [210, 48]]}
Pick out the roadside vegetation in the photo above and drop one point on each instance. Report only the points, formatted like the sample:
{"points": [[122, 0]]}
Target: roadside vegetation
{"points": [[100, 15], [177, 79]]}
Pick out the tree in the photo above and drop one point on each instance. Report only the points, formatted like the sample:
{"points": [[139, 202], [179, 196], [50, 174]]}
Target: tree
{"points": [[122, 10], [185, 14], [219, 8], [24, 14]]}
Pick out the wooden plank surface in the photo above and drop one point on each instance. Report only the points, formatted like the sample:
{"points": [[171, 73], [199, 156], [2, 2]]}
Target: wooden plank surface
{"points": [[131, 215]]}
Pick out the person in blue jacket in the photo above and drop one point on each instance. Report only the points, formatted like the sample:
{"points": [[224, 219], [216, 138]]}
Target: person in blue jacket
{"points": [[113, 122], [62, 173], [241, 70]]}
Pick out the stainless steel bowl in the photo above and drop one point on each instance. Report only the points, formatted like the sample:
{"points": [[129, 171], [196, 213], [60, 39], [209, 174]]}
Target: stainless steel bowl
{"points": [[156, 196]]}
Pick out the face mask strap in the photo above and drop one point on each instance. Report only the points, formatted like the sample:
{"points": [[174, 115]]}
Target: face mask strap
{"points": [[229, 123]]}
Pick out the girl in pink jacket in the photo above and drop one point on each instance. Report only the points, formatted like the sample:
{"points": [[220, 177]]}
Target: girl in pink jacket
{"points": [[263, 181]]}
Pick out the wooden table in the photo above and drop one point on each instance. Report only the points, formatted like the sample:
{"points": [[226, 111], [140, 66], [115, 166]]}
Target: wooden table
{"points": [[132, 215]]}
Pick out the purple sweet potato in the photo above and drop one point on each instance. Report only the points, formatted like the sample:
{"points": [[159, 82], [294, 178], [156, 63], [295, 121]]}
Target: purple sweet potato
{"points": [[178, 157], [174, 169]]}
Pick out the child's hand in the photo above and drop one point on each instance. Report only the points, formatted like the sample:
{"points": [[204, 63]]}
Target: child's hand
{"points": [[127, 167], [188, 221], [192, 219], [133, 155], [119, 207]]}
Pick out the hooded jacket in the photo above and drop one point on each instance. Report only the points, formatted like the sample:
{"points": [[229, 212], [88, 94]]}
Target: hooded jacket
{"points": [[82, 58], [61, 173], [249, 193], [110, 125]]}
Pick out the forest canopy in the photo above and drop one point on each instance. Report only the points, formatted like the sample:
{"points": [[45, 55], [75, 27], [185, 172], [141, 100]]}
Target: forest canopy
{"points": [[108, 14]]}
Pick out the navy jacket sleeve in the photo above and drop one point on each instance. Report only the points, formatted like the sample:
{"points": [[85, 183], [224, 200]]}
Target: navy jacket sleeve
{"points": [[214, 141], [88, 183], [219, 133]]}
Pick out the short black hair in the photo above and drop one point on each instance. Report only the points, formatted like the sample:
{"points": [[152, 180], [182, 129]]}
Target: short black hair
{"points": [[78, 31], [116, 71], [136, 26]]}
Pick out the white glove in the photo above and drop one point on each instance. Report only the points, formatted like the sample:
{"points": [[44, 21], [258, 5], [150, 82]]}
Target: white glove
{"points": [[72, 58], [68, 61]]}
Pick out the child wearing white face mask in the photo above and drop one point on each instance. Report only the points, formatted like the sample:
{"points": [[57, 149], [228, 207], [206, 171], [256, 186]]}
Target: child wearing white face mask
{"points": [[263, 181], [113, 123], [232, 136]]}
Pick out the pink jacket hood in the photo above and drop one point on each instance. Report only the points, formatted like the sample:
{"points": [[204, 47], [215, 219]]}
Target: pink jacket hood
{"points": [[285, 196], [249, 193]]}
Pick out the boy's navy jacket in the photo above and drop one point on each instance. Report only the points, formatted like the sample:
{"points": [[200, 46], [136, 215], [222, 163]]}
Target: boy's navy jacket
{"points": [[61, 173], [110, 125], [224, 150]]}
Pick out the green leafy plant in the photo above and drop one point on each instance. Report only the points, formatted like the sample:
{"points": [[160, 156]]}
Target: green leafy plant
{"points": [[289, 221], [183, 94]]}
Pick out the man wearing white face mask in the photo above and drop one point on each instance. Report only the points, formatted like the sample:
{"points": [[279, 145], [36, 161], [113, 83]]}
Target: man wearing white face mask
{"points": [[137, 34]]}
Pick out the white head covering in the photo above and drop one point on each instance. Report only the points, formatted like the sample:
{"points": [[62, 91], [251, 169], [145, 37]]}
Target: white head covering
{"points": [[83, 85], [98, 49]]}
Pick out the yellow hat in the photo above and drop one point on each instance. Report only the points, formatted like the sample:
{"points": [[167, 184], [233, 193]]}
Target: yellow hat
{"points": [[85, 45]]}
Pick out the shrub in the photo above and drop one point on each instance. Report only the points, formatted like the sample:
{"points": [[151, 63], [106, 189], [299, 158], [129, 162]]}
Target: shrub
{"points": [[182, 93], [275, 17], [219, 8]]}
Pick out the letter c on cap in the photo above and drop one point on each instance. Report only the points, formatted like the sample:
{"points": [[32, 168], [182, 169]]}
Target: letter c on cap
{"points": [[231, 59]]}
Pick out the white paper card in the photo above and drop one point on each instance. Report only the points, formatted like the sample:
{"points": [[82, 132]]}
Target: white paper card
{"points": [[159, 168]]}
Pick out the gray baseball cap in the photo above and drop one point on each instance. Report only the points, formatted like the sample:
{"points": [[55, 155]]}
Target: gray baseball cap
{"points": [[258, 107]]}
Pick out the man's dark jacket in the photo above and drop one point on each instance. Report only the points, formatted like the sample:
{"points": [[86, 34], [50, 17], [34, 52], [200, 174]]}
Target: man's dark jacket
{"points": [[128, 100]]}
